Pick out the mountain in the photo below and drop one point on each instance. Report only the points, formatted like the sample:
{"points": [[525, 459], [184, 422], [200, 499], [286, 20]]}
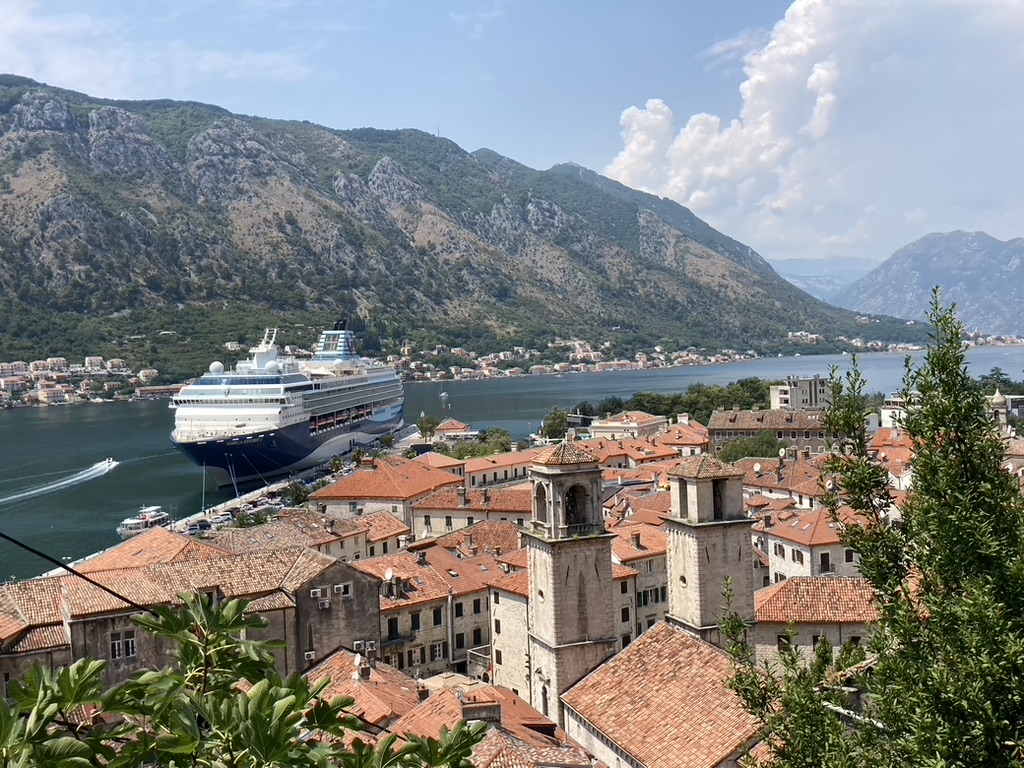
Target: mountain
{"points": [[821, 278], [984, 276], [165, 213]]}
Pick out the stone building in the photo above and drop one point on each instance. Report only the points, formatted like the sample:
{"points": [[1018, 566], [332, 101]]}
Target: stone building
{"points": [[312, 602], [803, 431]]}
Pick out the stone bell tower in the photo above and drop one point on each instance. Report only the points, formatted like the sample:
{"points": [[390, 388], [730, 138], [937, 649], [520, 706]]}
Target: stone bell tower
{"points": [[708, 542], [571, 619]]}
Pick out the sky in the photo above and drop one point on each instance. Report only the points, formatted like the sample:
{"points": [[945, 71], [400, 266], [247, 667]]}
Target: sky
{"points": [[812, 129]]}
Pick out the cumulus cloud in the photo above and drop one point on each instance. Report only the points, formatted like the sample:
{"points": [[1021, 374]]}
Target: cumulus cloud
{"points": [[864, 125]]}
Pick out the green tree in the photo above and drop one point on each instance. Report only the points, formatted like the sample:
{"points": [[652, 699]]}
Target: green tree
{"points": [[765, 444], [498, 439], [297, 493], [945, 682], [427, 426], [221, 703], [555, 424]]}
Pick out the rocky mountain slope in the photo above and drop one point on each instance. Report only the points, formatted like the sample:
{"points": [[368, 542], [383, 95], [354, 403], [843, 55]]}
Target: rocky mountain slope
{"points": [[110, 207], [984, 276]]}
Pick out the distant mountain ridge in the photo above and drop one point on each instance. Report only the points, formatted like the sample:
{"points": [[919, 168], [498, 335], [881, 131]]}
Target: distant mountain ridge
{"points": [[109, 206], [821, 278], [982, 275]]}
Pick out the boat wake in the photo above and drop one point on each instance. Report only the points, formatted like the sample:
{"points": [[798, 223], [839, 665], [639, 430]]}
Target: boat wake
{"points": [[98, 469]]}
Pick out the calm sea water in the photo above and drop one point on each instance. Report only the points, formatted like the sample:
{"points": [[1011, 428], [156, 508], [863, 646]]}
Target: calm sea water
{"points": [[54, 497]]}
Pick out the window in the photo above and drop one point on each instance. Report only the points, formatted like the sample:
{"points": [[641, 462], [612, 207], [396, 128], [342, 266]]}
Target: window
{"points": [[122, 645], [423, 654], [426, 522], [520, 522], [650, 566], [849, 555], [415, 622], [497, 598], [497, 657], [780, 577], [798, 556], [393, 627], [825, 562], [807, 434], [438, 651], [778, 549], [470, 520], [625, 614], [448, 522], [624, 588], [781, 642], [437, 617], [478, 636], [664, 593], [373, 550], [476, 605], [497, 626], [854, 640], [460, 640], [409, 657], [458, 610], [815, 639]]}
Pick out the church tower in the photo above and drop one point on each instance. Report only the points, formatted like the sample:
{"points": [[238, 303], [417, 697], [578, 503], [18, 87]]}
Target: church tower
{"points": [[708, 542], [571, 621]]}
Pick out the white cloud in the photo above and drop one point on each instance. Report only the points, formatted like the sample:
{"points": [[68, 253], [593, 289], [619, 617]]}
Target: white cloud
{"points": [[102, 57], [864, 125]]}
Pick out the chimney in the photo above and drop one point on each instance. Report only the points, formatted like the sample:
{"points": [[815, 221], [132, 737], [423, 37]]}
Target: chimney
{"points": [[482, 711], [422, 692], [364, 669], [767, 521], [421, 557], [636, 539], [487, 495], [462, 495], [496, 551], [684, 418]]}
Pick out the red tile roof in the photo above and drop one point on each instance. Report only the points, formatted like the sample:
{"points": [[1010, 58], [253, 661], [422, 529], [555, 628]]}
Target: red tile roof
{"points": [[564, 453], [664, 700], [653, 541], [513, 500], [704, 467], [157, 545], [638, 451], [817, 600], [810, 528], [383, 696], [388, 477], [486, 537]]}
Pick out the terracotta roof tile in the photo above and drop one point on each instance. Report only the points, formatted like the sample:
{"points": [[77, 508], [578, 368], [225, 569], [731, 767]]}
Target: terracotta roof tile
{"points": [[653, 541], [383, 525], [810, 528], [564, 453], [784, 418], [275, 534], [439, 460], [517, 582], [802, 476], [639, 451], [431, 580], [684, 435], [704, 467], [40, 639], [389, 477], [664, 700], [817, 600], [517, 499], [157, 545], [380, 698], [486, 537], [501, 460]]}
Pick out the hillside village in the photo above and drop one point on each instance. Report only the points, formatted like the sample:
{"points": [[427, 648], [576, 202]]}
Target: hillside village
{"points": [[552, 592]]}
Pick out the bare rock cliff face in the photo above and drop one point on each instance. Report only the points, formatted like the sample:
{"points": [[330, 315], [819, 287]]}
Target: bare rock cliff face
{"points": [[110, 206], [982, 275]]}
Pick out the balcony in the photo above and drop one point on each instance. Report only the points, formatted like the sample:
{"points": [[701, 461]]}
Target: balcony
{"points": [[392, 640]]}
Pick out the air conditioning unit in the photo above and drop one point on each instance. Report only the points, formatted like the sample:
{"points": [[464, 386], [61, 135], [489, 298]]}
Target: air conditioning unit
{"points": [[309, 655], [357, 645], [371, 645], [324, 603], [314, 593], [342, 589]]}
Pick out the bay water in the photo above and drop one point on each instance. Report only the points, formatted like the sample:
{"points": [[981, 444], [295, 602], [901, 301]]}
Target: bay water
{"points": [[58, 496]]}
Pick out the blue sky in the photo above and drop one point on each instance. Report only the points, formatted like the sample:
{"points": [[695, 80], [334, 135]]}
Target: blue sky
{"points": [[842, 129]]}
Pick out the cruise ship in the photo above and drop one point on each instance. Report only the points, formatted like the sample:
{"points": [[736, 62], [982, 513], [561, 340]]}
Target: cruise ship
{"points": [[272, 416]]}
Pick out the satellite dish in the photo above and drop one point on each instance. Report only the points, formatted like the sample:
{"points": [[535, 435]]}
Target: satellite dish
{"points": [[782, 453], [757, 467], [389, 575]]}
